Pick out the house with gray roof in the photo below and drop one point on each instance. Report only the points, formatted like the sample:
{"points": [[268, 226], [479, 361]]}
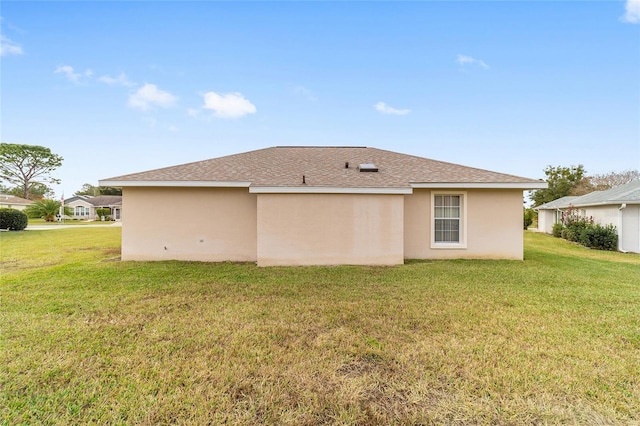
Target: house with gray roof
{"points": [[551, 213], [619, 206], [322, 206], [85, 207]]}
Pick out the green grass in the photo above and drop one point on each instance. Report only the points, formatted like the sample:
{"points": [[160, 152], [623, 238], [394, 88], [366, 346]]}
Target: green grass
{"points": [[89, 339], [40, 222]]}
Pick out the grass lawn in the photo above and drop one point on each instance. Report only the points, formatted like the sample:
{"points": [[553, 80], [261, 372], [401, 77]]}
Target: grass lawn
{"points": [[85, 338], [40, 222]]}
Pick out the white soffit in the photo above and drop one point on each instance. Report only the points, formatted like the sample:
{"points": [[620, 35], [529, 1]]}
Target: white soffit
{"points": [[174, 183], [326, 190], [481, 185]]}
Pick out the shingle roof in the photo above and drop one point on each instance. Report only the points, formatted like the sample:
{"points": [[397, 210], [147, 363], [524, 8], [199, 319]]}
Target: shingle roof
{"points": [[558, 204], [321, 167], [10, 199], [627, 193]]}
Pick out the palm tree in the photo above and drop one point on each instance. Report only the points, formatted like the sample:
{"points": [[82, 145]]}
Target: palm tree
{"points": [[46, 209]]}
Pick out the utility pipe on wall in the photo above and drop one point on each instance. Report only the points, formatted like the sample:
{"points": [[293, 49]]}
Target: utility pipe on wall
{"points": [[620, 213]]}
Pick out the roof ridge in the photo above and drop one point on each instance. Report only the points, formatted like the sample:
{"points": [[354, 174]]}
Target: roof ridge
{"points": [[320, 146]]}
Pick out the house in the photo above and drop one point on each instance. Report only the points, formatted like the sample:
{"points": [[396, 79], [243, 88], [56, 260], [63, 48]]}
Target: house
{"points": [[619, 206], [551, 213], [321, 206], [13, 202], [85, 206]]}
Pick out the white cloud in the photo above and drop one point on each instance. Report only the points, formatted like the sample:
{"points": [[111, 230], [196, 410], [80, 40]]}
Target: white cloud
{"points": [[149, 96], [8, 47], [305, 93], [120, 80], [68, 72], [632, 12], [193, 112], [229, 105], [383, 108], [468, 60], [71, 74]]}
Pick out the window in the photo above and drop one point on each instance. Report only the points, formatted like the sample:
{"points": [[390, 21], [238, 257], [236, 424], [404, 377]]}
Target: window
{"points": [[449, 217], [81, 211]]}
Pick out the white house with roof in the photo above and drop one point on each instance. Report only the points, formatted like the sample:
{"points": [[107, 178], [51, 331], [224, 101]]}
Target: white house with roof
{"points": [[322, 206], [551, 213], [84, 207], [619, 206]]}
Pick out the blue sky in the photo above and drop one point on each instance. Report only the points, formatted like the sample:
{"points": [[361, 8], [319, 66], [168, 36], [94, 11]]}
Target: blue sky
{"points": [[122, 87]]}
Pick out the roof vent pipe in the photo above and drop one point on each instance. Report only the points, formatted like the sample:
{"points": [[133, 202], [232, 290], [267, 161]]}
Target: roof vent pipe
{"points": [[346, 165], [304, 180]]}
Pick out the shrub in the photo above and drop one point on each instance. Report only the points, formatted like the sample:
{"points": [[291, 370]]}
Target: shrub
{"points": [[13, 219], [46, 209], [600, 237], [529, 214], [557, 230], [575, 226], [103, 211]]}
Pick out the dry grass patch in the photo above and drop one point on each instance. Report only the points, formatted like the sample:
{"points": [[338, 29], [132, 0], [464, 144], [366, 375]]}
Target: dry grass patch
{"points": [[553, 339]]}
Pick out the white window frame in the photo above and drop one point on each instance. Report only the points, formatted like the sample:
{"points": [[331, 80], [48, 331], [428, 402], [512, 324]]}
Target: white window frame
{"points": [[462, 243]]}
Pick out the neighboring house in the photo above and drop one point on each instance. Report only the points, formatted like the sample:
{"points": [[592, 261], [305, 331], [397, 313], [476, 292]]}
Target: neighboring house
{"points": [[619, 206], [12, 202], [551, 213], [85, 206], [321, 206]]}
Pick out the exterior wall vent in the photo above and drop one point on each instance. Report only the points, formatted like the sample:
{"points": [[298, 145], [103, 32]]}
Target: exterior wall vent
{"points": [[368, 167]]}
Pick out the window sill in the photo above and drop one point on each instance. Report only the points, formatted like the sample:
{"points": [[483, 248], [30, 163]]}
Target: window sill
{"points": [[448, 246]]}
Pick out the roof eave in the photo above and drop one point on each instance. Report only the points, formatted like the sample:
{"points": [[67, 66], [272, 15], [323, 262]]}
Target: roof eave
{"points": [[327, 190], [607, 203], [173, 183], [481, 185]]}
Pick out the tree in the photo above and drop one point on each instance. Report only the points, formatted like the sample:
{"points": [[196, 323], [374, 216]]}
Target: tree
{"points": [[613, 179], [561, 180], [605, 181], [27, 165], [109, 190], [46, 209], [88, 189], [38, 191]]}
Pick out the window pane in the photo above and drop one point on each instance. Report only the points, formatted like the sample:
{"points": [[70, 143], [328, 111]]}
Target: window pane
{"points": [[447, 212], [447, 230], [446, 206]]}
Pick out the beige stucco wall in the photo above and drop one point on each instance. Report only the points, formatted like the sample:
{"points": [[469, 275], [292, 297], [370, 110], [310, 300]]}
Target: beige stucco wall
{"points": [[494, 226], [329, 229], [202, 224]]}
